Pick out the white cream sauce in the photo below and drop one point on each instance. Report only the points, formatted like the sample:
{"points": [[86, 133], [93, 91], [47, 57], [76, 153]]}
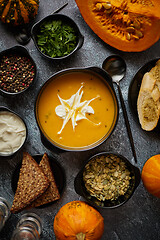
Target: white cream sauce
{"points": [[74, 109], [12, 132]]}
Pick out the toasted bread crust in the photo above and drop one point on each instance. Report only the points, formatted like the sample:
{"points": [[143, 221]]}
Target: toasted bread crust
{"points": [[31, 184], [52, 193]]}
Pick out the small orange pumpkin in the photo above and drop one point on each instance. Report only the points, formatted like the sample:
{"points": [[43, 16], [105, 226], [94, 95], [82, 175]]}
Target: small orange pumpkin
{"points": [[151, 175], [78, 221], [18, 12]]}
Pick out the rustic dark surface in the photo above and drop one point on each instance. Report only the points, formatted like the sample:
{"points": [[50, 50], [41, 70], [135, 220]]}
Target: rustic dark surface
{"points": [[139, 218]]}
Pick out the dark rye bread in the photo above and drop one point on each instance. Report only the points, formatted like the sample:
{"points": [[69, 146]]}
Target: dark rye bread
{"points": [[31, 184], [52, 193]]}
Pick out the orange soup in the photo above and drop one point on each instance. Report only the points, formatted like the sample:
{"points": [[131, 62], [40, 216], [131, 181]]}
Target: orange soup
{"points": [[76, 109]]}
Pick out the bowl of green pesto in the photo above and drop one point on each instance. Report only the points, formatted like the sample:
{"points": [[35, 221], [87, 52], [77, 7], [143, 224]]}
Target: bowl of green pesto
{"points": [[57, 36]]}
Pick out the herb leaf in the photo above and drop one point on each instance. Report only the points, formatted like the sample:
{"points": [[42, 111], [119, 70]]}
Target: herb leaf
{"points": [[56, 39]]}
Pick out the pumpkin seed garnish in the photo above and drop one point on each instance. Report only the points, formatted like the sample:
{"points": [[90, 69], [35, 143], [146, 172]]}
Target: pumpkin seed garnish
{"points": [[106, 177]]}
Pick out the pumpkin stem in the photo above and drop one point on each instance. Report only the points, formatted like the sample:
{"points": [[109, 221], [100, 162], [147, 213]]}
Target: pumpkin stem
{"points": [[80, 236]]}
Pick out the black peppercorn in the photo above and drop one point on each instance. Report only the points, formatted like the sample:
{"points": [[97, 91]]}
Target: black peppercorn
{"points": [[16, 73]]}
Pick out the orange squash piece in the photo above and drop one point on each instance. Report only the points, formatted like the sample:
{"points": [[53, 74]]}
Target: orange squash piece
{"points": [[151, 175], [129, 25]]}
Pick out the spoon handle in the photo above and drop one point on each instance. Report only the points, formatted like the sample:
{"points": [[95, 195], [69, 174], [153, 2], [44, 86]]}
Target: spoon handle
{"points": [[127, 123], [59, 9]]}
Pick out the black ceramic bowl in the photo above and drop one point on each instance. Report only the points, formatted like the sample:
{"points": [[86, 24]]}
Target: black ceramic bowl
{"points": [[66, 20], [106, 79], [10, 155], [22, 52], [133, 183]]}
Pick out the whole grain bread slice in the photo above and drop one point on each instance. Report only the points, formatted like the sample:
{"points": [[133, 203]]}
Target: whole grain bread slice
{"points": [[31, 184], [52, 193]]}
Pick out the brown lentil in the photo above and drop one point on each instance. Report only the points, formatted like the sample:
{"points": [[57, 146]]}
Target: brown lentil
{"points": [[16, 73]]}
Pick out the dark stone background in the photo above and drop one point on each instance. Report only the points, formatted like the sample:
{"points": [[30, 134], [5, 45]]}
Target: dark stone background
{"points": [[139, 218]]}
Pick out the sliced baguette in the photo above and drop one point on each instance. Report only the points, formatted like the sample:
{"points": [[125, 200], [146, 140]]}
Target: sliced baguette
{"points": [[148, 104], [31, 184]]}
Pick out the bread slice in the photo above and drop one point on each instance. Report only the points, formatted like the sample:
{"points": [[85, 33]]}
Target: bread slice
{"points": [[31, 184], [148, 103], [52, 193], [156, 73]]}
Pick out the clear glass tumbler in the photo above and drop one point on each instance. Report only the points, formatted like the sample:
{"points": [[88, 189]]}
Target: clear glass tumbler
{"points": [[4, 211], [29, 227]]}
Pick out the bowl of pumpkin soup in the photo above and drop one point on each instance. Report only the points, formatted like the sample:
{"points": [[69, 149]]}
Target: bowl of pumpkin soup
{"points": [[76, 109]]}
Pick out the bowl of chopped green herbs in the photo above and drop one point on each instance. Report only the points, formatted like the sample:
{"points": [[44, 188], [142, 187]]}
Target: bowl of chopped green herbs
{"points": [[57, 36]]}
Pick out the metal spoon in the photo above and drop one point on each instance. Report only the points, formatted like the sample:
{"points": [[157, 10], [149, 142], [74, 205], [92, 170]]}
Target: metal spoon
{"points": [[116, 68]]}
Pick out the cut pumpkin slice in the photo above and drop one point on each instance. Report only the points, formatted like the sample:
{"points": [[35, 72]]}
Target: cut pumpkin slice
{"points": [[127, 26]]}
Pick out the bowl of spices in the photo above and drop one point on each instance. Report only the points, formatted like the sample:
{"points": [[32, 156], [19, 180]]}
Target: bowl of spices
{"points": [[13, 132], [17, 71], [107, 180], [57, 36]]}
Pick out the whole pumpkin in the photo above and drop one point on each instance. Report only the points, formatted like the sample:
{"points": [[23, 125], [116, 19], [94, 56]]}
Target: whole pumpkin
{"points": [[151, 175], [18, 12], [78, 221], [130, 26]]}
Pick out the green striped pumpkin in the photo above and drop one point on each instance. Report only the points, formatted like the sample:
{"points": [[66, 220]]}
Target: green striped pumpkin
{"points": [[18, 12]]}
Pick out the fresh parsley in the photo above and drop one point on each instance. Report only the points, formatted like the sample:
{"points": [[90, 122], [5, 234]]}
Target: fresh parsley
{"points": [[56, 39]]}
